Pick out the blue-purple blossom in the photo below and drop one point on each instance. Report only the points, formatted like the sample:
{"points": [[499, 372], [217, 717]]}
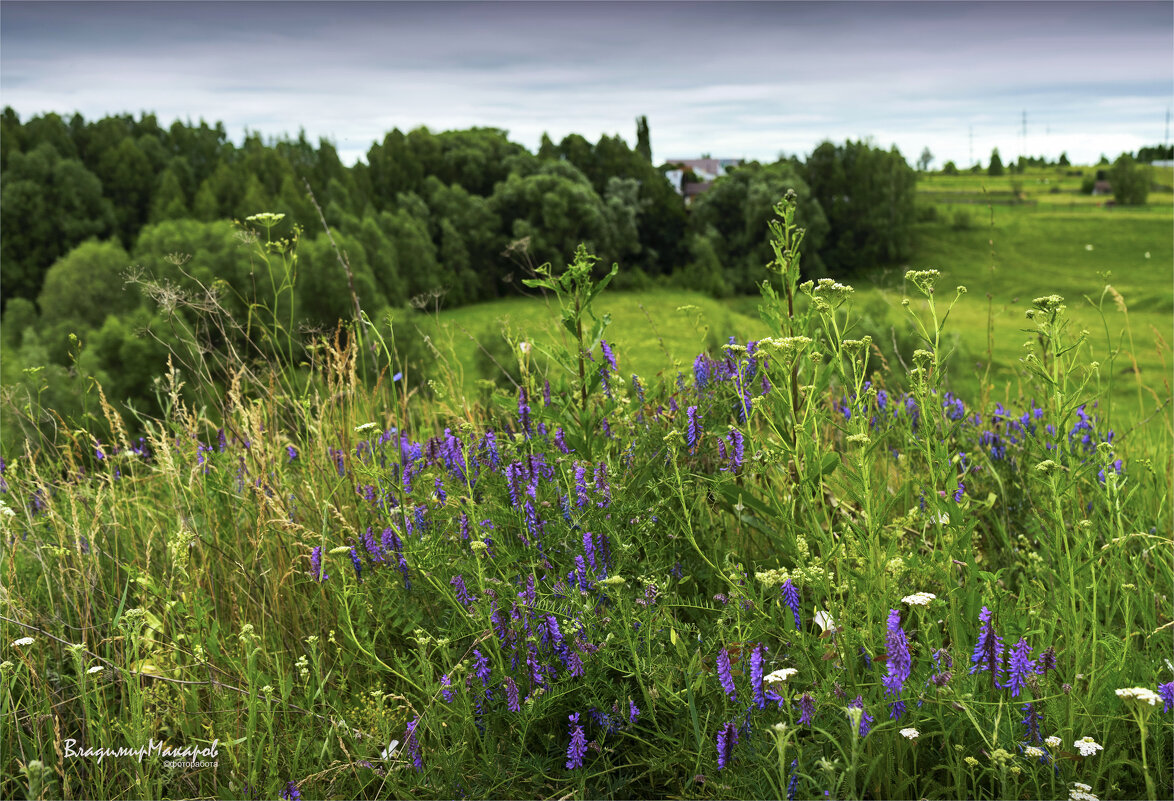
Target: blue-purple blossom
{"points": [[1167, 692], [737, 449], [723, 674], [806, 706], [445, 691], [633, 711], [291, 792], [481, 667], [791, 599], [358, 565], [511, 695], [578, 747], [581, 485], [988, 651], [1031, 721], [524, 413], [316, 564], [458, 584], [727, 738], [756, 676], [693, 435], [865, 718], [1020, 666], [793, 782], [899, 661], [412, 744]]}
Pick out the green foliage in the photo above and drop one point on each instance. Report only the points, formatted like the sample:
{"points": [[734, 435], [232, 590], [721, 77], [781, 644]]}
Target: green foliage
{"points": [[85, 285], [949, 168], [1130, 181], [867, 195], [996, 164], [51, 204]]}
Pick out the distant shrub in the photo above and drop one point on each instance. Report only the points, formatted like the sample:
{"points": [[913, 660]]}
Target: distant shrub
{"points": [[962, 220]]}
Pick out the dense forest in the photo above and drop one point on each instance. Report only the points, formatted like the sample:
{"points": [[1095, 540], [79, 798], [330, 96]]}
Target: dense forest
{"points": [[109, 226]]}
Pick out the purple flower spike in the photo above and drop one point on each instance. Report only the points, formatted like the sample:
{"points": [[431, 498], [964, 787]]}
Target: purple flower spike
{"points": [[578, 747], [791, 599], [727, 738], [806, 706], [988, 651], [694, 432], [865, 718], [1021, 666], [756, 676], [511, 695], [900, 662], [1167, 692], [723, 674], [291, 792]]}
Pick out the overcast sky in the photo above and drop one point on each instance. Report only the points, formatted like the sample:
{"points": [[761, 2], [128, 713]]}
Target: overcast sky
{"points": [[731, 79]]}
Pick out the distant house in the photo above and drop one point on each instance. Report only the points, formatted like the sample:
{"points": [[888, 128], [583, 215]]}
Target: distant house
{"points": [[1102, 187], [707, 170], [692, 190]]}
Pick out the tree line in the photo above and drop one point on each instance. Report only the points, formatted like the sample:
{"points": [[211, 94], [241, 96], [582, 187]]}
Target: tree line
{"points": [[461, 216]]}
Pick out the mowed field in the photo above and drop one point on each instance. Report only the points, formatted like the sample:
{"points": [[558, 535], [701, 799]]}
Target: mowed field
{"points": [[1054, 243]]}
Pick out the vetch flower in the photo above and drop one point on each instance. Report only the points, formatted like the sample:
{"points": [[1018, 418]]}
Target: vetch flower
{"points": [[578, 747], [291, 792], [727, 738], [900, 663], [756, 676], [1031, 721], [988, 651], [694, 431], [910, 734], [791, 599], [1087, 746], [806, 706], [723, 674], [866, 719], [1021, 666], [413, 744], [1167, 692]]}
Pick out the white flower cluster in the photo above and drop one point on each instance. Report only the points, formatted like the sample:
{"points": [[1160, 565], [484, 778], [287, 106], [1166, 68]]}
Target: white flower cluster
{"points": [[1081, 792], [1087, 746], [919, 599], [1142, 695], [910, 734], [779, 675], [23, 641]]}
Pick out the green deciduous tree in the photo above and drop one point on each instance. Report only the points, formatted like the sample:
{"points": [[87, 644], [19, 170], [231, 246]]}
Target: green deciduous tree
{"points": [[85, 285], [50, 205], [1130, 181], [867, 194]]}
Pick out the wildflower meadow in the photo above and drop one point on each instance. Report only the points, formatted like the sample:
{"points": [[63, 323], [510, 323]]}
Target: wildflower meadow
{"points": [[799, 567]]}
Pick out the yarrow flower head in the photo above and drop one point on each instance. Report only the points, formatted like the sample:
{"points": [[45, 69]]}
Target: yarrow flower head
{"points": [[910, 734], [780, 675], [1139, 695], [23, 641], [1087, 746], [919, 599]]}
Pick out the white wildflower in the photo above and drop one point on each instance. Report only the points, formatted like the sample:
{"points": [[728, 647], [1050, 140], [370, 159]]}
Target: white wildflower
{"points": [[366, 427], [96, 669], [919, 598], [1081, 792], [1141, 695], [1033, 752], [1087, 746], [824, 621], [389, 752], [22, 642], [910, 734], [1052, 742], [1088, 247], [779, 675]]}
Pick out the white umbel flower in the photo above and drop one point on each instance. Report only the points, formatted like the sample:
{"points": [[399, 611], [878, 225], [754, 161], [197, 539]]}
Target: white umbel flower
{"points": [[1140, 695], [1052, 742], [910, 734], [23, 641], [779, 675], [96, 669], [919, 599], [1087, 746]]}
